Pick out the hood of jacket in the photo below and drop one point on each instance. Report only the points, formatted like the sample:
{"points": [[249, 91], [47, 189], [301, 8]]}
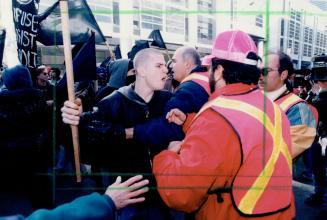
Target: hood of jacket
{"points": [[118, 71], [129, 93]]}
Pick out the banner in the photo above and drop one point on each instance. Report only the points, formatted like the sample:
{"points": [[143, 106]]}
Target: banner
{"points": [[117, 52], [84, 63], [81, 22], [139, 45], [26, 26], [157, 39]]}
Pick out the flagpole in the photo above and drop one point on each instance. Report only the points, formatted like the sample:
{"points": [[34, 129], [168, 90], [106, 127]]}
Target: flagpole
{"points": [[112, 55], [70, 78]]}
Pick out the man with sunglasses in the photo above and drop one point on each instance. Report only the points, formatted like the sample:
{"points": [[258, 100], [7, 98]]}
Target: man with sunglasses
{"points": [[302, 116]]}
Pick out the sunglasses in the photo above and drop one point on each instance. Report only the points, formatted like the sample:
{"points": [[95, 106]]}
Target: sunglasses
{"points": [[266, 70]]}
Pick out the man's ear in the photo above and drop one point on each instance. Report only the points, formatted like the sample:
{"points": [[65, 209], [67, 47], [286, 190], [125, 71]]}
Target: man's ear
{"points": [[218, 74], [140, 70], [284, 75], [188, 64]]}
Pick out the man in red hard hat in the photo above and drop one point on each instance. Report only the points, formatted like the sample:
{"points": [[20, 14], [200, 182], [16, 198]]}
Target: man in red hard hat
{"points": [[235, 161]]}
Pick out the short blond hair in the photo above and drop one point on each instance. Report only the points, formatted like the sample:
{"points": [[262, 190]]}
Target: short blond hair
{"points": [[143, 56]]}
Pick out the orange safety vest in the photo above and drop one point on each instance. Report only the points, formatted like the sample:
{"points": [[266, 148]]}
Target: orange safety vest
{"points": [[263, 183], [201, 78], [289, 100]]}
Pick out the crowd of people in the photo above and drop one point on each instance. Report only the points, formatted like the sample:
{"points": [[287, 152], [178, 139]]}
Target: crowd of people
{"points": [[222, 145]]}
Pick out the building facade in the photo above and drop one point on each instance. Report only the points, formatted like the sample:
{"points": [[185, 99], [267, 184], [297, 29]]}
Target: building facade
{"points": [[296, 27]]}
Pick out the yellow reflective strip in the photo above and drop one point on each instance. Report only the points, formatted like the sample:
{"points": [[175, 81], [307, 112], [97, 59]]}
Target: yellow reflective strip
{"points": [[252, 196], [288, 101], [196, 76], [250, 199]]}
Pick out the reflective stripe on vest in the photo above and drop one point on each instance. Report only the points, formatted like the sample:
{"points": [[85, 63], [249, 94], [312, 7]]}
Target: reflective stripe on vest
{"points": [[250, 191], [289, 100], [201, 78]]}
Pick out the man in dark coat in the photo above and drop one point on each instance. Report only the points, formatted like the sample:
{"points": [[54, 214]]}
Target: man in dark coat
{"points": [[189, 97], [23, 136], [318, 151], [126, 107]]}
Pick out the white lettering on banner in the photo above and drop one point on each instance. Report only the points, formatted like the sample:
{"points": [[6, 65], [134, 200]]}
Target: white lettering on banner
{"points": [[28, 56], [26, 30], [25, 38], [25, 19]]}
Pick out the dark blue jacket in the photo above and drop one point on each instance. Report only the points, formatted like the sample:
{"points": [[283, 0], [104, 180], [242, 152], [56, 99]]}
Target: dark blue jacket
{"points": [[189, 97]]}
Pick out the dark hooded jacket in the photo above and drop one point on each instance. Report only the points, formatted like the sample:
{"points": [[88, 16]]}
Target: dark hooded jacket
{"points": [[106, 126], [118, 77], [23, 135]]}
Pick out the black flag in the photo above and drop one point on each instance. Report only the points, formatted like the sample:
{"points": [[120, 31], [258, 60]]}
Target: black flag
{"points": [[2, 44], [26, 26], [117, 52], [157, 39], [81, 22], [139, 45], [84, 63]]}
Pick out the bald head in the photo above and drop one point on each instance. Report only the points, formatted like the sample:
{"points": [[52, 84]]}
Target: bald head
{"points": [[143, 57], [190, 54], [185, 59]]}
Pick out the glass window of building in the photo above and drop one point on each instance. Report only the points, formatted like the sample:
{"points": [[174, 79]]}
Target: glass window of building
{"points": [[116, 16], [102, 10], [151, 15], [206, 29], [177, 2], [282, 27], [186, 28], [291, 29], [205, 5], [290, 43], [175, 22], [297, 31], [298, 16], [259, 21], [136, 17], [296, 47]]}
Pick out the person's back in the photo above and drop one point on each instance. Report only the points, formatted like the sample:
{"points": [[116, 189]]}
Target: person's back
{"points": [[229, 165]]}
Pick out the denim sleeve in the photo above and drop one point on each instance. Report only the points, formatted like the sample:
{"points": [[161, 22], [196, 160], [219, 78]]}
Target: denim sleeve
{"points": [[301, 114]]}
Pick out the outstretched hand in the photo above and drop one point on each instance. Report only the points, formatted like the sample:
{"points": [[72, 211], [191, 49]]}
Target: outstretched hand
{"points": [[176, 116], [124, 194]]}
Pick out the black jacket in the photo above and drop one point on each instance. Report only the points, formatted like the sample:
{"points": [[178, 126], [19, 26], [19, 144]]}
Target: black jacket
{"points": [[106, 127], [23, 135], [320, 102], [189, 97]]}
